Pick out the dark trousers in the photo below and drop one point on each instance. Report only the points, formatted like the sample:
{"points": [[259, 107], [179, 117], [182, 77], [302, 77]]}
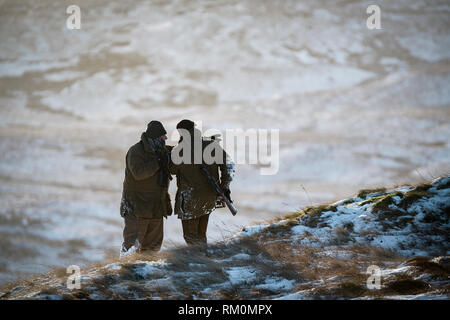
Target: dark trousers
{"points": [[194, 230], [147, 234]]}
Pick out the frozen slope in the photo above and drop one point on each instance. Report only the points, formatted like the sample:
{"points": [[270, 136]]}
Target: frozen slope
{"points": [[319, 253]]}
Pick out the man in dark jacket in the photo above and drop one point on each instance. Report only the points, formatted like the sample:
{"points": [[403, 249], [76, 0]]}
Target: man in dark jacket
{"points": [[145, 199], [195, 198]]}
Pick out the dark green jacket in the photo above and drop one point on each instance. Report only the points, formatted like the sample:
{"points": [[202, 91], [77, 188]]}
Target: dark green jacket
{"points": [[195, 196], [143, 196]]}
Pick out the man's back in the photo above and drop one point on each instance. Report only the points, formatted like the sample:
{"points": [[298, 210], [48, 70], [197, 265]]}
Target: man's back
{"points": [[142, 188]]}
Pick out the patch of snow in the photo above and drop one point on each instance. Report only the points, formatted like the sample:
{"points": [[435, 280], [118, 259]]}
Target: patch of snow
{"points": [[130, 251], [440, 182], [440, 200], [388, 241], [164, 282], [299, 295], [239, 275], [339, 254], [346, 201], [422, 296], [239, 256], [252, 230], [276, 284], [300, 230], [150, 267], [390, 272], [113, 266], [85, 278], [404, 189]]}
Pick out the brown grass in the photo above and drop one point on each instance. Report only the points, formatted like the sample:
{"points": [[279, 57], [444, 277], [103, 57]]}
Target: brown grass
{"points": [[337, 271], [406, 285]]}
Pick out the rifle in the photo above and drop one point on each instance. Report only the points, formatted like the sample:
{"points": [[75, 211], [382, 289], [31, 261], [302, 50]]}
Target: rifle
{"points": [[218, 190]]}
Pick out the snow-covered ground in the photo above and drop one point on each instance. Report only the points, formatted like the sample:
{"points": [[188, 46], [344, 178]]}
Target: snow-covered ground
{"points": [[404, 220], [323, 252], [356, 108]]}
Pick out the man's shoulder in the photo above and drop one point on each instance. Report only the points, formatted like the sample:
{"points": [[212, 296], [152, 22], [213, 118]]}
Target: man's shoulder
{"points": [[137, 147]]}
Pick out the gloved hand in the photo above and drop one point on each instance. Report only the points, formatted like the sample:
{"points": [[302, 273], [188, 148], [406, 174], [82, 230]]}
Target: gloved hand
{"points": [[164, 173], [225, 186], [227, 193]]}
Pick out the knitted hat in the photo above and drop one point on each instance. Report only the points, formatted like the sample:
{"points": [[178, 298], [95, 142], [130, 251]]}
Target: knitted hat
{"points": [[186, 124], [155, 129]]}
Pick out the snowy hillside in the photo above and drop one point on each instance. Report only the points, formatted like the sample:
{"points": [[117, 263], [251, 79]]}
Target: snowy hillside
{"points": [[355, 108], [321, 252]]}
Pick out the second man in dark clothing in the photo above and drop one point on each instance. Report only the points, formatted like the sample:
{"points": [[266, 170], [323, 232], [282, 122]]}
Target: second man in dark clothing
{"points": [[195, 199]]}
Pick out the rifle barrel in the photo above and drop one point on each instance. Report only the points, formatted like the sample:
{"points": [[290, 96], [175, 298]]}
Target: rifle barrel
{"points": [[218, 190]]}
